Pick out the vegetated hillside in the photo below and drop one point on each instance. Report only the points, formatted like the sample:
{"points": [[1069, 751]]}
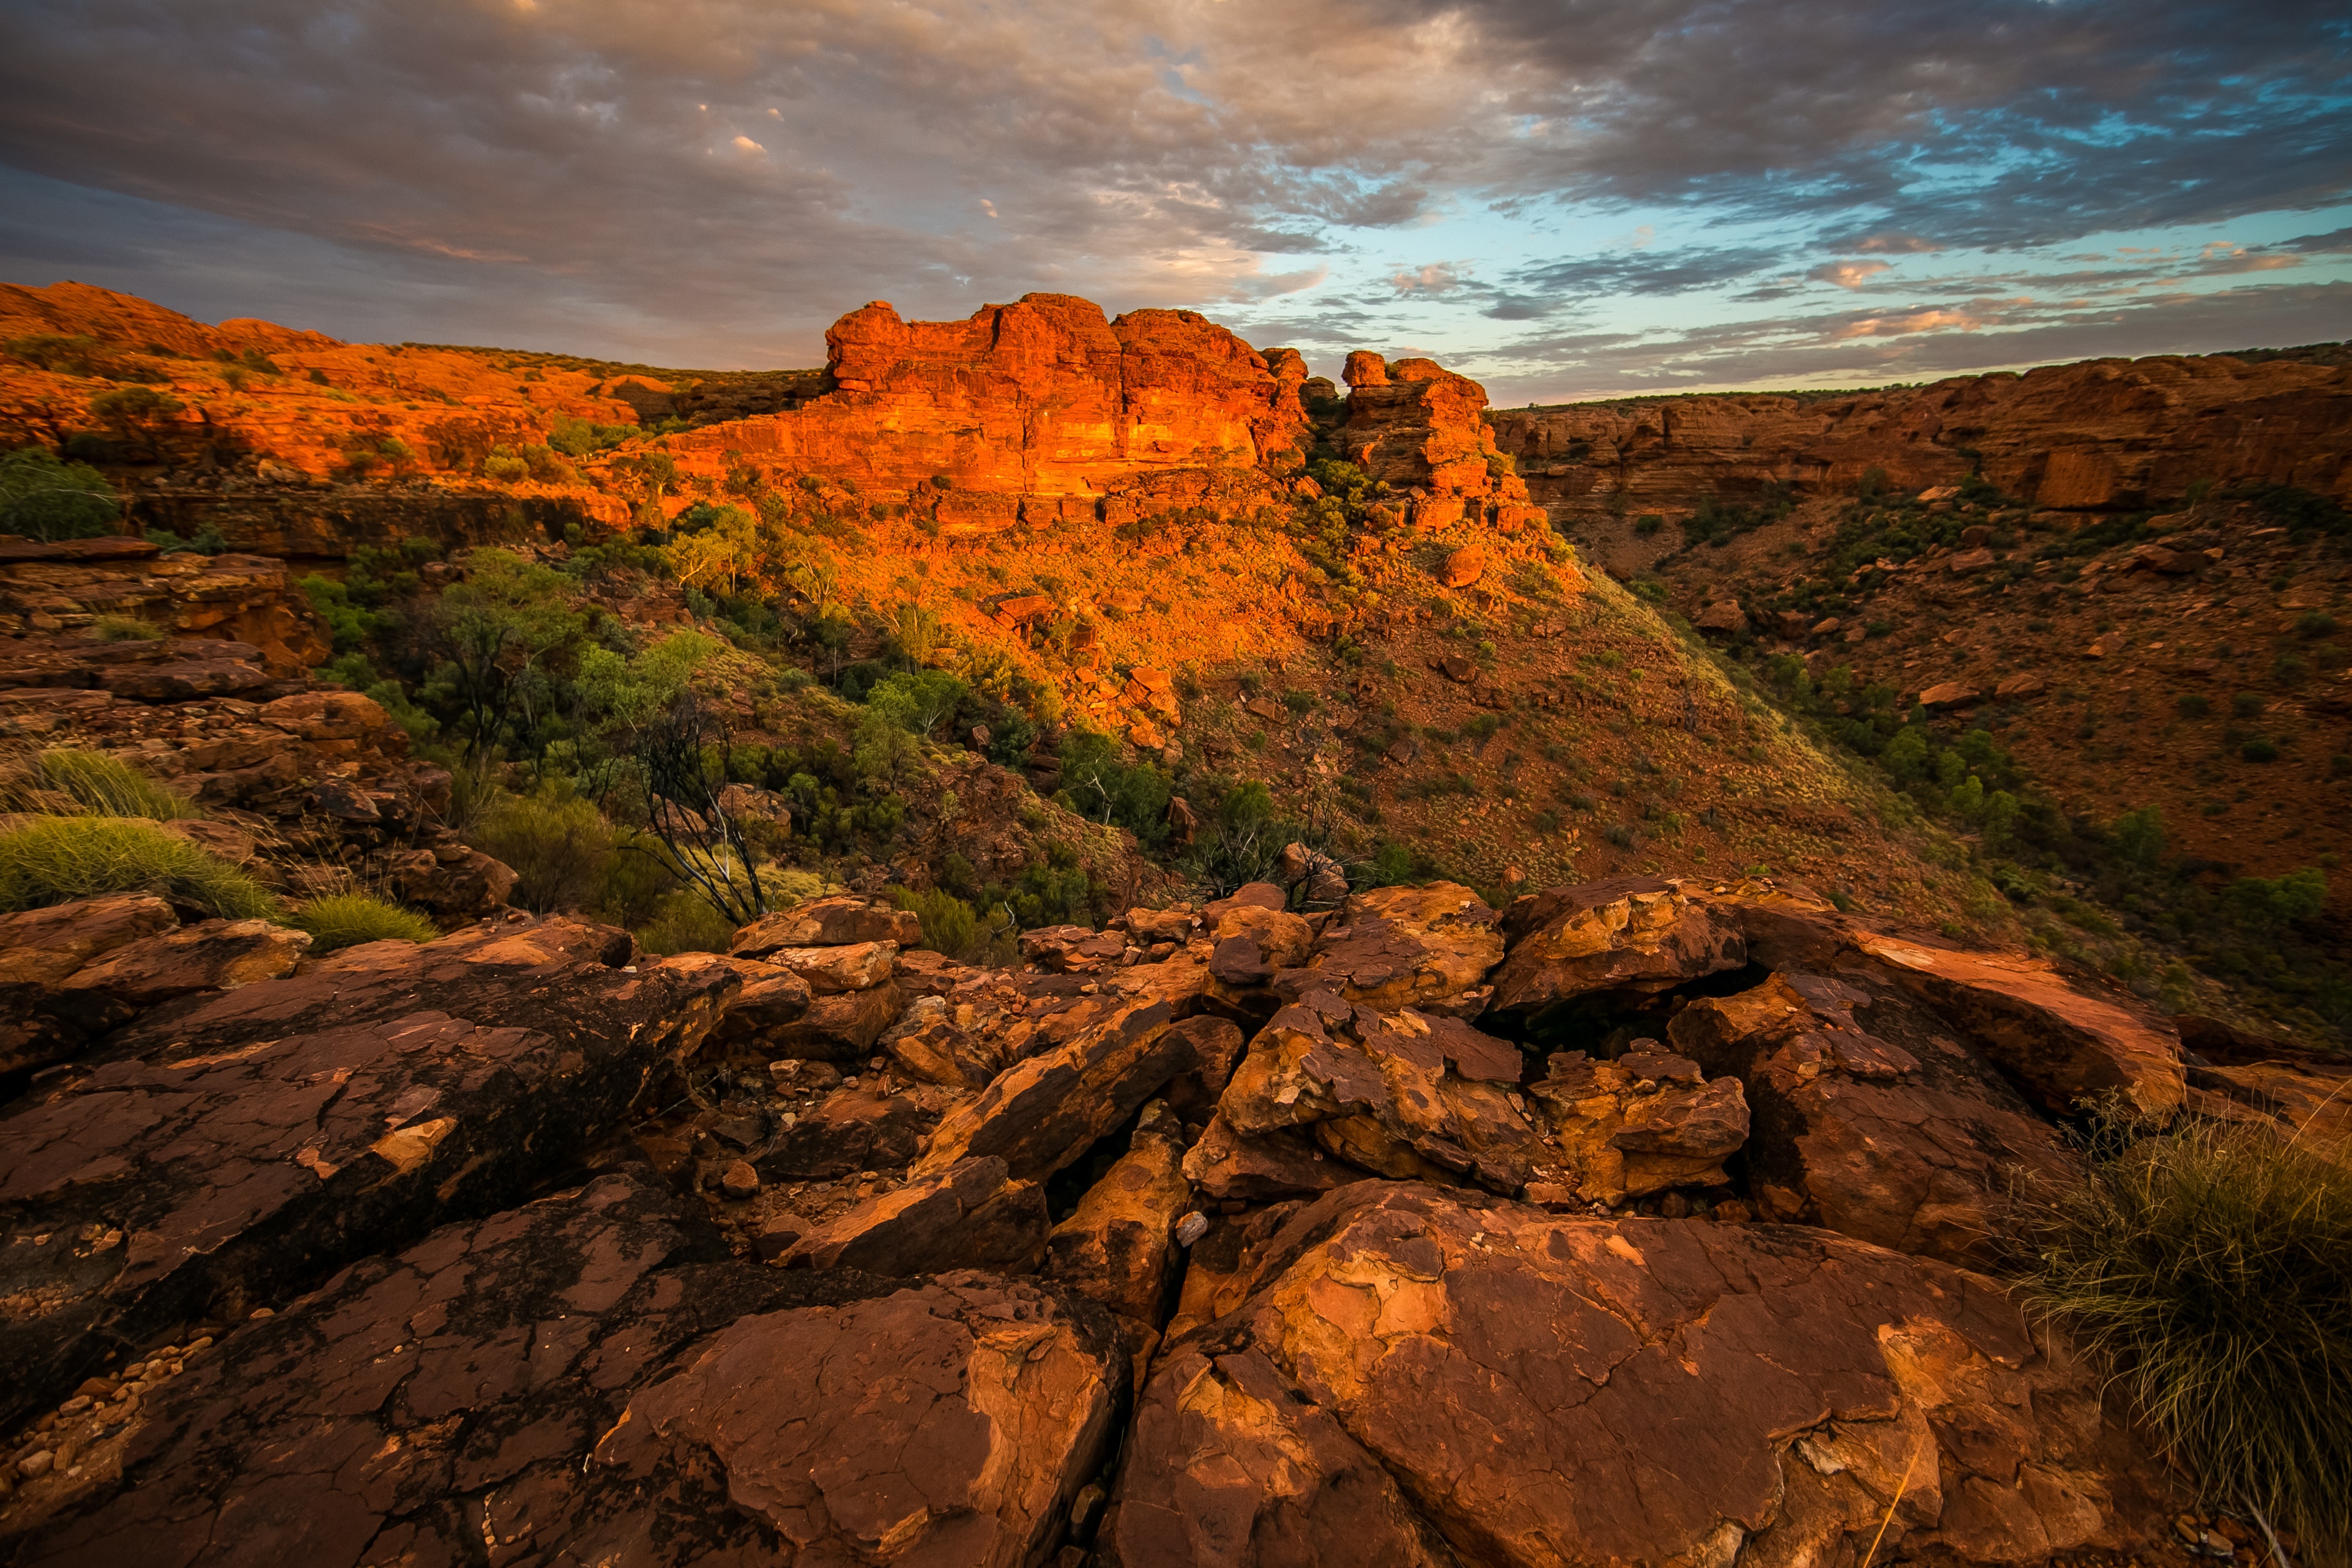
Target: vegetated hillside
{"points": [[1263, 614], [2150, 711]]}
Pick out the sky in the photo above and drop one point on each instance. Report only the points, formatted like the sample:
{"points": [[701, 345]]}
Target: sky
{"points": [[1564, 198]]}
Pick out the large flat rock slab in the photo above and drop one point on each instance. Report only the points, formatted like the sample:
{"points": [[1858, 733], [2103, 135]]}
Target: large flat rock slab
{"points": [[1416, 1370], [230, 1150], [587, 1379]]}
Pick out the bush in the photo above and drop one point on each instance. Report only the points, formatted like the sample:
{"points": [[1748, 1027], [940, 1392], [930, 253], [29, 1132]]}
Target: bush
{"points": [[124, 629], [559, 845], [2193, 704], [2260, 750], [2246, 704], [59, 859], [349, 919], [683, 922], [1648, 523], [947, 921], [107, 786], [45, 499], [2211, 1270]]}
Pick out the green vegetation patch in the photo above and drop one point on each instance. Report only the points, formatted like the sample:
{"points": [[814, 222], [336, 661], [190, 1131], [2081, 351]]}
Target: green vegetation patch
{"points": [[59, 859]]}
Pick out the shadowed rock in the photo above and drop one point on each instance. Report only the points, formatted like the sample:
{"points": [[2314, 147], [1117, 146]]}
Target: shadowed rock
{"points": [[586, 1379], [239, 1146], [1041, 1114], [1896, 1133], [966, 1217]]}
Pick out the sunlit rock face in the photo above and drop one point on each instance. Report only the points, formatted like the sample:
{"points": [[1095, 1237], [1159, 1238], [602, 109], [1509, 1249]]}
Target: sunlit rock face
{"points": [[1045, 397]]}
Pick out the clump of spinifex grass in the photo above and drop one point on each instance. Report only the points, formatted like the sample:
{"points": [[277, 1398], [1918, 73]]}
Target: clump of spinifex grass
{"points": [[2210, 1268], [350, 919], [100, 785], [53, 860]]}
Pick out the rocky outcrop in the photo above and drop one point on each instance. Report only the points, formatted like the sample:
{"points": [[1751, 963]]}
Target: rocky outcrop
{"points": [[587, 1379], [2100, 435], [326, 521], [225, 1149], [65, 588], [1423, 430], [1040, 399], [1657, 1265], [1476, 1377]]}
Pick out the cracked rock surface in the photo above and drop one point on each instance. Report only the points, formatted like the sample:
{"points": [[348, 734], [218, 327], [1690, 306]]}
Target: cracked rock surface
{"points": [[245, 1143], [1430, 1370], [588, 1379]]}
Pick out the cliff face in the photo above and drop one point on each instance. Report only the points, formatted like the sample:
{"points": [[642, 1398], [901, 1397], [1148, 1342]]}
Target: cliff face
{"points": [[1042, 397], [1423, 430], [2102, 435]]}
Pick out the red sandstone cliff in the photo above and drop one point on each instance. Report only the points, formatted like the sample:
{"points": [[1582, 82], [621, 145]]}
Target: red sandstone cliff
{"points": [[2105, 434], [1044, 397]]}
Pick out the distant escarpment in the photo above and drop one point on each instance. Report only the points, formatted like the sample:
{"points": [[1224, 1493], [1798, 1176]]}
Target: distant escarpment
{"points": [[2101, 435]]}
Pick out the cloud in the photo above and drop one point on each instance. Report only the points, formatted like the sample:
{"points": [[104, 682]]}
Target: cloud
{"points": [[1904, 324], [1848, 274], [735, 173], [1646, 271], [1436, 277], [1890, 243]]}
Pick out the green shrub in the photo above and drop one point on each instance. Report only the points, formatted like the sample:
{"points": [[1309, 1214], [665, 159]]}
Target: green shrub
{"points": [[2245, 705], [559, 844], [2314, 623], [107, 786], [42, 498], [950, 924], [2260, 749], [2193, 704], [349, 919], [58, 858], [2212, 1270], [683, 922], [124, 629], [1648, 523]]}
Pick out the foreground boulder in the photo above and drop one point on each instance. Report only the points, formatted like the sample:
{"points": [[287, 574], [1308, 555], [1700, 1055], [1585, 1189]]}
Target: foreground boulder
{"points": [[1630, 934], [838, 920], [2065, 1042], [1418, 1376], [1041, 1114], [585, 1380], [226, 1150], [1871, 1119]]}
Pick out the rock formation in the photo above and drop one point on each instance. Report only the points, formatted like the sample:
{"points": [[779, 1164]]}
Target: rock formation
{"points": [[2100, 435], [1424, 429], [1406, 1233]]}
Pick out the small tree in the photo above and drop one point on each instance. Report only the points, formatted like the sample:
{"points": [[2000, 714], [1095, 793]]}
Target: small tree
{"points": [[696, 838]]}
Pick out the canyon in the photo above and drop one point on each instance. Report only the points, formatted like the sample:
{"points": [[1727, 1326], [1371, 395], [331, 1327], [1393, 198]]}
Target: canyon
{"points": [[1500, 1082]]}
